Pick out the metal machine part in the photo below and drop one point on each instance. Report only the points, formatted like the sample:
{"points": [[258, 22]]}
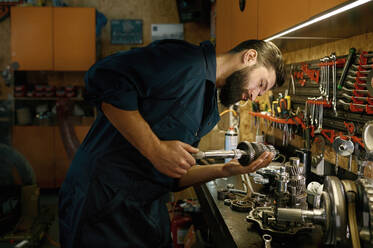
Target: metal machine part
{"points": [[265, 218], [368, 137], [314, 191], [343, 147], [246, 152], [365, 210], [331, 216], [267, 240]]}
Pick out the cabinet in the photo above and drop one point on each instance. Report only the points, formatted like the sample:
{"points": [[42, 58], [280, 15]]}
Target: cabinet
{"points": [[275, 16], [244, 23], [223, 25], [43, 148], [234, 25], [46, 38], [74, 36], [31, 38], [318, 6]]}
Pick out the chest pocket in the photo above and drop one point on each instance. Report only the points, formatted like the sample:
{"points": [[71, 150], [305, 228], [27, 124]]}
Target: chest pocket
{"points": [[179, 124]]}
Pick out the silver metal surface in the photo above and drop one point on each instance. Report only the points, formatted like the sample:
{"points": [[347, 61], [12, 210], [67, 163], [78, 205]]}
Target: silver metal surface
{"points": [[267, 240], [235, 153], [338, 210], [334, 72], [365, 216], [367, 135], [316, 216], [343, 147]]}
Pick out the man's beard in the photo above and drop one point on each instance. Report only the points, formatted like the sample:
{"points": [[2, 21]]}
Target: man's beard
{"points": [[232, 90]]}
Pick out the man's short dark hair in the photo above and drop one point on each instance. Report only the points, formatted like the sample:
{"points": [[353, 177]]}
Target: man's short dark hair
{"points": [[268, 55]]}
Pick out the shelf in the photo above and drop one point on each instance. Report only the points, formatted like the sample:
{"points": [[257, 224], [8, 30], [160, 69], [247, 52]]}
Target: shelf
{"points": [[350, 23], [47, 98], [4, 119]]}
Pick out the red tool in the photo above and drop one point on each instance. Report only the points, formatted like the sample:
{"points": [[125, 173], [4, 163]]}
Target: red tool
{"points": [[350, 127], [331, 135], [312, 74]]}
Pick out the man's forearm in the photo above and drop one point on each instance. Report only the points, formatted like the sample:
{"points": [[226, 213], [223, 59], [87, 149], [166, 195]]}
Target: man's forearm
{"points": [[133, 127], [200, 174]]}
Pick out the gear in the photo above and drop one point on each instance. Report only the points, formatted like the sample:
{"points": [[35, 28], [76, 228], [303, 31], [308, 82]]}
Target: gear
{"points": [[242, 205], [365, 204]]}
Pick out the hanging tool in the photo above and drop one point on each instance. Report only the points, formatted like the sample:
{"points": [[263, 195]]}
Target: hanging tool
{"points": [[370, 83], [344, 148], [350, 58], [334, 71], [292, 79]]}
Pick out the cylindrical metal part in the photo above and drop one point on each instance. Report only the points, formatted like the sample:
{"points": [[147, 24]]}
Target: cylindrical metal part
{"points": [[294, 161], [316, 216], [246, 152], [282, 180], [267, 240]]}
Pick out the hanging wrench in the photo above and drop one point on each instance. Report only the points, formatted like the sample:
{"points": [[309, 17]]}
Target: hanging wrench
{"points": [[334, 101], [322, 76], [320, 118]]}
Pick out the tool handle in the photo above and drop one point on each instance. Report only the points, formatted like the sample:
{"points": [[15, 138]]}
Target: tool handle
{"points": [[350, 57]]}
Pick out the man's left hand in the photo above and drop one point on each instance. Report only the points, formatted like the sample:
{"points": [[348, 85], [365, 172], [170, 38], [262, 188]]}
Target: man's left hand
{"points": [[233, 167]]}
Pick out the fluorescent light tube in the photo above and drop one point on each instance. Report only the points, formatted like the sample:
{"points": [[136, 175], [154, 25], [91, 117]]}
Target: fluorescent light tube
{"points": [[320, 18]]}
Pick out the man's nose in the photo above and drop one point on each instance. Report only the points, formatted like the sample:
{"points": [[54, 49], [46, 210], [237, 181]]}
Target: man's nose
{"points": [[254, 94]]}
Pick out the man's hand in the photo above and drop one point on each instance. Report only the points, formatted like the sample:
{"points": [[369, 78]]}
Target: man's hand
{"points": [[173, 158], [233, 167]]}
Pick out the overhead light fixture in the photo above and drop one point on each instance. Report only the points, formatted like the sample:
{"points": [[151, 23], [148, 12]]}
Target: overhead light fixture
{"points": [[320, 18]]}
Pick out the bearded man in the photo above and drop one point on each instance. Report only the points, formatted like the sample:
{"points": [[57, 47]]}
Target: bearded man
{"points": [[154, 105]]}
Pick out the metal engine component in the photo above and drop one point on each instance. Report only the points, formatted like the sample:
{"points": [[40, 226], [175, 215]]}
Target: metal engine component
{"points": [[365, 210], [368, 136], [242, 205], [343, 147], [331, 216], [246, 152], [287, 190], [265, 218], [267, 240], [297, 183]]}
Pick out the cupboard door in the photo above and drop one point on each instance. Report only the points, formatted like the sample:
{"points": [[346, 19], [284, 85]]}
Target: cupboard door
{"points": [[244, 23], [275, 16], [318, 6], [223, 26], [31, 37], [36, 143], [62, 161], [74, 35]]}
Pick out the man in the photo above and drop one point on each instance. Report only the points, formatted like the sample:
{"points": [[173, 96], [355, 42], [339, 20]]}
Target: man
{"points": [[154, 105]]}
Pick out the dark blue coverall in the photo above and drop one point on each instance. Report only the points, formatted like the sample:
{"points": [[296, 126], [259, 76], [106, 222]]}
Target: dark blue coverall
{"points": [[112, 195]]}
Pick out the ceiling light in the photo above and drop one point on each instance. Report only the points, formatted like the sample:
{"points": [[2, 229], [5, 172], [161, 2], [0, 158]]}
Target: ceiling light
{"points": [[320, 18]]}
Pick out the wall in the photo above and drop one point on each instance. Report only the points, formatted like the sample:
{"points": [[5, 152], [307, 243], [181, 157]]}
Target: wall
{"points": [[362, 42], [150, 11]]}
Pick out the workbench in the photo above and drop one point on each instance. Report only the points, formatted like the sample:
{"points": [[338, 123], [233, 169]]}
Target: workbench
{"points": [[230, 229]]}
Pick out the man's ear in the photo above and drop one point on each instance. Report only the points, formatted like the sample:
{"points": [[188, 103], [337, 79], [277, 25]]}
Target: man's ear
{"points": [[249, 57]]}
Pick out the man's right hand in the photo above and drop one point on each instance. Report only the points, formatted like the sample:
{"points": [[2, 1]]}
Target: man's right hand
{"points": [[173, 158]]}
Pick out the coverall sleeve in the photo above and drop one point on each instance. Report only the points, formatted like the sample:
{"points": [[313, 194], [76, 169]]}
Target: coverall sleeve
{"points": [[104, 85]]}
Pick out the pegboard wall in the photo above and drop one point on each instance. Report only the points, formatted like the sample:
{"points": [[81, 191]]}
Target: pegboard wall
{"points": [[312, 56]]}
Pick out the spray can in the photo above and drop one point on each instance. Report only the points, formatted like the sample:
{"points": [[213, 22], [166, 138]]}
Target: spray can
{"points": [[231, 140]]}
